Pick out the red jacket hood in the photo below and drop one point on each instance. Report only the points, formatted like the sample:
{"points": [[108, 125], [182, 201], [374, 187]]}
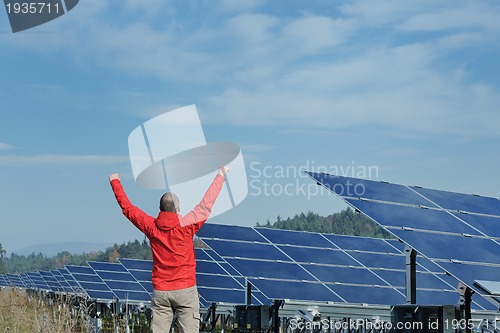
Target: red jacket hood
{"points": [[167, 221]]}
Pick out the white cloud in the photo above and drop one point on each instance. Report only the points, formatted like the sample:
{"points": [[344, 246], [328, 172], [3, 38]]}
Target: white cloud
{"points": [[307, 70], [472, 15], [61, 160], [5, 146]]}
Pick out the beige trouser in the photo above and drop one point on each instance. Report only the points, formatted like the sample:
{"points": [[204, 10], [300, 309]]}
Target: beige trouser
{"points": [[184, 302]]}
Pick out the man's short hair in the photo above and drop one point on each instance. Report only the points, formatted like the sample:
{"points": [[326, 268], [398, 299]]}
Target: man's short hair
{"points": [[169, 202]]}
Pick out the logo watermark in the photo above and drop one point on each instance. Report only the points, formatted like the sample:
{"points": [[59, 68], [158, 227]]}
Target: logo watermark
{"points": [[292, 180], [170, 152], [26, 14]]}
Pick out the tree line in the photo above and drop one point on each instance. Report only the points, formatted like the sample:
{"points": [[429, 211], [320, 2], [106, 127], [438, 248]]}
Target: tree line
{"points": [[345, 222], [17, 264]]}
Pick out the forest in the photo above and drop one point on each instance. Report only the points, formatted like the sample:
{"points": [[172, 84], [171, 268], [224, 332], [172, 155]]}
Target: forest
{"points": [[345, 222]]}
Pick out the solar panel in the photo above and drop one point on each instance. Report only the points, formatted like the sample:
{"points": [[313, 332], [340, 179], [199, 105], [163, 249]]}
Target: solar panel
{"points": [[66, 287], [70, 280], [245, 250], [3, 281], [120, 281], [375, 190], [461, 202], [370, 294], [91, 283], [457, 232], [232, 233], [363, 244], [295, 238], [295, 290], [38, 281], [140, 270], [14, 280], [486, 225], [394, 216], [318, 255]]}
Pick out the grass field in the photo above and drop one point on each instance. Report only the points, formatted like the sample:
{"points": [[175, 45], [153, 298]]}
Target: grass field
{"points": [[21, 312]]}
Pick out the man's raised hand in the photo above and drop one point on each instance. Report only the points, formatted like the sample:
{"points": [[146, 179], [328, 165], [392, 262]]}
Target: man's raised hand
{"points": [[223, 170], [114, 176]]}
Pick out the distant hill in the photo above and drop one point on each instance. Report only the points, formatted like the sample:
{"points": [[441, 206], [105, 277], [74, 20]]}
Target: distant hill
{"points": [[50, 250]]}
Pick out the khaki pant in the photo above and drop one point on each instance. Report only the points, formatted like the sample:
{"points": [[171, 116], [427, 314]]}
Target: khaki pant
{"points": [[184, 302]]}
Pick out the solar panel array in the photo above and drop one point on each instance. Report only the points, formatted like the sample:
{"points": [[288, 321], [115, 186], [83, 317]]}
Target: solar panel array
{"points": [[279, 264], [307, 266], [458, 232]]}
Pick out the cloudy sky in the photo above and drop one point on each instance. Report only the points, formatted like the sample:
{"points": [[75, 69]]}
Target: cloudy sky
{"points": [[407, 92]]}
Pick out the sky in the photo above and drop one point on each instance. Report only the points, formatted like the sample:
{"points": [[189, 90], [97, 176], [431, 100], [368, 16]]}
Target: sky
{"points": [[406, 92]]}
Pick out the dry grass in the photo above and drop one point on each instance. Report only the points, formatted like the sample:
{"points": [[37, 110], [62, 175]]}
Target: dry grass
{"points": [[21, 312]]}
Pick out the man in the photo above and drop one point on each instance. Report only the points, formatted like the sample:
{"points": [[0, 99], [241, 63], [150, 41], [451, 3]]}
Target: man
{"points": [[174, 266]]}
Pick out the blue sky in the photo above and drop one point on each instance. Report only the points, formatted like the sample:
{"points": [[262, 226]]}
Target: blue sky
{"points": [[407, 92]]}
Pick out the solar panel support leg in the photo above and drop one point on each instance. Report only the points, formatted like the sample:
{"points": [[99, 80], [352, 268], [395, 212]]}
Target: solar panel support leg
{"points": [[464, 304], [411, 275], [248, 294], [276, 315]]}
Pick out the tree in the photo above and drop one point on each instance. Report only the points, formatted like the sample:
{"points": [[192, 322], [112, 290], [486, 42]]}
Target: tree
{"points": [[3, 270], [2, 251]]}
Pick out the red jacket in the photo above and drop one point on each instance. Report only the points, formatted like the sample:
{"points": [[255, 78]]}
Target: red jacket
{"points": [[171, 237]]}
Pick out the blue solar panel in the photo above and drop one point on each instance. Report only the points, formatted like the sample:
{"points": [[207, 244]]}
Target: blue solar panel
{"points": [[140, 270], [362, 243], [15, 281], [463, 202], [356, 275], [375, 190], [229, 232], [66, 287], [294, 238], [69, 278], [469, 273], [107, 266], [380, 260], [210, 267], [450, 247], [141, 276], [116, 276], [424, 280], [202, 255], [434, 297], [231, 296], [320, 256], [485, 224], [295, 290], [270, 269], [137, 264], [90, 282], [246, 250], [3, 281], [217, 281], [51, 281], [392, 216], [369, 294], [120, 281]]}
